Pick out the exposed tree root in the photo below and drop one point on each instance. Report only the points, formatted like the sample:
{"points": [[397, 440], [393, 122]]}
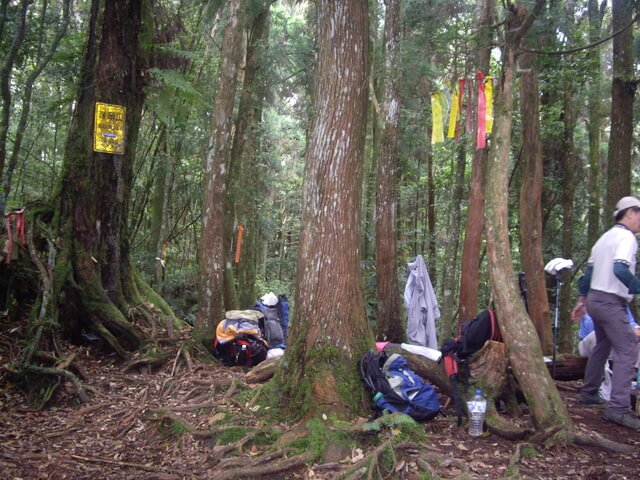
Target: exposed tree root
{"points": [[593, 439], [370, 466], [254, 470], [263, 371], [60, 372], [502, 427], [152, 357]]}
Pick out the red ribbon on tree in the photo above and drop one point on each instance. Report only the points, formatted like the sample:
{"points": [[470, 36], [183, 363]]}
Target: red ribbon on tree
{"points": [[481, 137]]}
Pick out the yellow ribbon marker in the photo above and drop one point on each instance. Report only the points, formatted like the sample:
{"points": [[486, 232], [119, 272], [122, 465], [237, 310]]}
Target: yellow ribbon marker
{"points": [[488, 93], [453, 113], [437, 132]]}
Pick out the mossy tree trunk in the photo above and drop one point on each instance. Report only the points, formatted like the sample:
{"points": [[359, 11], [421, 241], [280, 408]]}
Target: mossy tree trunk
{"points": [[525, 353], [213, 251], [531, 203], [95, 282], [330, 332], [389, 318]]}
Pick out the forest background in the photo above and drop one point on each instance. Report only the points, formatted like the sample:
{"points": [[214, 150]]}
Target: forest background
{"points": [[571, 151]]}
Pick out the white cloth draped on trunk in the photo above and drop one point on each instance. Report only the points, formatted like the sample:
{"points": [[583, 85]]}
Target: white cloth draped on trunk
{"points": [[422, 306]]}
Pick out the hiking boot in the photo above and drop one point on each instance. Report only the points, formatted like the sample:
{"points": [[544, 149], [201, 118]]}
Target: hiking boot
{"points": [[591, 399], [626, 419]]}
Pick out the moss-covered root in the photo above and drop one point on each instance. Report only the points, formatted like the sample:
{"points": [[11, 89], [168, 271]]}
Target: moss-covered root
{"points": [[83, 397], [152, 296], [502, 427]]}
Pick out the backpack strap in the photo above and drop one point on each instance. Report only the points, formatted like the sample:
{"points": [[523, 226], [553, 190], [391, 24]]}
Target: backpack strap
{"points": [[495, 329]]}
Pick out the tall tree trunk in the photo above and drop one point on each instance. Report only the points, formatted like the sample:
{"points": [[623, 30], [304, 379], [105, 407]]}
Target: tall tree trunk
{"points": [[623, 88], [330, 330], [530, 203], [470, 267], [212, 251], [94, 267], [525, 353], [245, 147], [388, 318], [594, 101]]}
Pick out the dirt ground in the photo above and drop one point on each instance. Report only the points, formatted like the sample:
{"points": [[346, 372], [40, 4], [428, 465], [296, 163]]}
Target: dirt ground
{"points": [[126, 431]]}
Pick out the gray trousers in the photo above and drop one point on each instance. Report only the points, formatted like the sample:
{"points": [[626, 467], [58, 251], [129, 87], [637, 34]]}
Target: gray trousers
{"points": [[612, 329]]}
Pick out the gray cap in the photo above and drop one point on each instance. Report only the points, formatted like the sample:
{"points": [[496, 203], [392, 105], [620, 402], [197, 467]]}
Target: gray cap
{"points": [[626, 202]]}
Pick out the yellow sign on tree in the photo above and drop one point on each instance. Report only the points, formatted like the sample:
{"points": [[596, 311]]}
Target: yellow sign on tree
{"points": [[108, 133]]}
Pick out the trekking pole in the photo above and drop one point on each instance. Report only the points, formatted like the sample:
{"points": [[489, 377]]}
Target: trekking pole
{"points": [[555, 326], [555, 267]]}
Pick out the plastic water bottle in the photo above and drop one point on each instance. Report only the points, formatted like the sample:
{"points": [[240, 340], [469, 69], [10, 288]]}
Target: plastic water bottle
{"points": [[477, 407]]}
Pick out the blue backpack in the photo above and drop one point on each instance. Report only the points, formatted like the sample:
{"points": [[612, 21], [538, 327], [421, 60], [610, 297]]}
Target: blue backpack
{"points": [[276, 335], [397, 388]]}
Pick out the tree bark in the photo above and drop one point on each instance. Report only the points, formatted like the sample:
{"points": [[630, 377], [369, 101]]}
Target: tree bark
{"points": [[330, 330], [389, 324], [623, 89], [525, 353], [212, 252], [530, 203]]}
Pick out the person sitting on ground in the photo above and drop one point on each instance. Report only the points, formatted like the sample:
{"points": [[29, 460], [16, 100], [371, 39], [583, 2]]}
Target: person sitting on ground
{"points": [[587, 342]]}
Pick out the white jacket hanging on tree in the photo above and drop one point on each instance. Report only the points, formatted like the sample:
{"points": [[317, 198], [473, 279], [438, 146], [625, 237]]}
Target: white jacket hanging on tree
{"points": [[422, 306]]}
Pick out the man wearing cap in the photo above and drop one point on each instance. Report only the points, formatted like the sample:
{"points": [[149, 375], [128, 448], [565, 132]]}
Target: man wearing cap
{"points": [[608, 286]]}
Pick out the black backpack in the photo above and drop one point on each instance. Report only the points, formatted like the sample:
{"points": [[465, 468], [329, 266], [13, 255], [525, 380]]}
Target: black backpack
{"points": [[472, 335]]}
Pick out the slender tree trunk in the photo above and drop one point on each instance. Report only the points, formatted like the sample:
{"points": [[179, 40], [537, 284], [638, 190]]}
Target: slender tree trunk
{"points": [[212, 251], [470, 267], [388, 319], [330, 330], [452, 246], [246, 147], [565, 331], [431, 210], [525, 353], [530, 203], [623, 89], [594, 101]]}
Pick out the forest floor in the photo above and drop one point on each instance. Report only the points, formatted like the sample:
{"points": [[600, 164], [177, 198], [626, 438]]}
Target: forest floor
{"points": [[128, 430]]}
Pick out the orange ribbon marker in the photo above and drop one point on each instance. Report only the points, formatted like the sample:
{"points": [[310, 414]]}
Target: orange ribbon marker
{"points": [[239, 243]]}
